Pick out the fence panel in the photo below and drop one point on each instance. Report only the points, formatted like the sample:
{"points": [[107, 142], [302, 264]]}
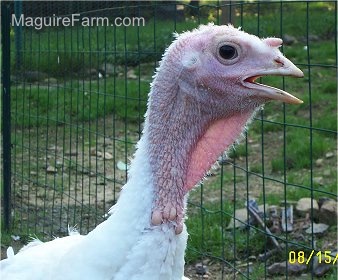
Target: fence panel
{"points": [[78, 95]]}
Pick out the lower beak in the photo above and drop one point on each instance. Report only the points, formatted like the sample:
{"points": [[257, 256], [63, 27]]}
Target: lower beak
{"points": [[282, 67]]}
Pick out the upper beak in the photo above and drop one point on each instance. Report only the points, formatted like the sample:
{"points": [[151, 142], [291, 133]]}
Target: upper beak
{"points": [[281, 66]]}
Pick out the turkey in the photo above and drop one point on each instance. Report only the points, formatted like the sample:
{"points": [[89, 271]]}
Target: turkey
{"points": [[201, 99]]}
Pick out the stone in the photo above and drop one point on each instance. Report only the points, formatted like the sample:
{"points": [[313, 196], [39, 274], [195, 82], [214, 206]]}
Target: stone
{"points": [[318, 180], [327, 172], [304, 205], [15, 237], [291, 269], [92, 72], [317, 228], [201, 269], [289, 40], [34, 76], [51, 80], [329, 155], [131, 74], [319, 162], [242, 216], [328, 212], [71, 153], [107, 156], [94, 152], [54, 148], [51, 169], [320, 268], [313, 38], [122, 166], [109, 69]]}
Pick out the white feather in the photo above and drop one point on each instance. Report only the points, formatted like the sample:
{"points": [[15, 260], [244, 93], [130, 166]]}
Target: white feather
{"points": [[125, 246]]}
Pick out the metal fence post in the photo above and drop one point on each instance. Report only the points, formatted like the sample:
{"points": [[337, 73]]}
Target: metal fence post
{"points": [[6, 111], [18, 35]]}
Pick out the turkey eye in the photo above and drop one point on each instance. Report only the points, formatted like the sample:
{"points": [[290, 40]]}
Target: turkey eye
{"points": [[228, 52]]}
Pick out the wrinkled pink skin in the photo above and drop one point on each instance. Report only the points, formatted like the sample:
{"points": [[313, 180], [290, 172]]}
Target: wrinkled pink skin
{"points": [[198, 107]]}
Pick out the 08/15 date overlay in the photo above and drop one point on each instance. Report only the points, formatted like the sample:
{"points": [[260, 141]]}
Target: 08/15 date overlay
{"points": [[301, 257]]}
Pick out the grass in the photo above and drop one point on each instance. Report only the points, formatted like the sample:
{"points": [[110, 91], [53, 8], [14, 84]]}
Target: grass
{"points": [[75, 101], [283, 142]]}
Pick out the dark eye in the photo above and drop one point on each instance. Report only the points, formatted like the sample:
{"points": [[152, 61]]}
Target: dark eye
{"points": [[228, 52]]}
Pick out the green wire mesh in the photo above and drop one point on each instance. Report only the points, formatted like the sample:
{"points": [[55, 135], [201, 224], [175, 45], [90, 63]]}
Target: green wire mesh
{"points": [[76, 105]]}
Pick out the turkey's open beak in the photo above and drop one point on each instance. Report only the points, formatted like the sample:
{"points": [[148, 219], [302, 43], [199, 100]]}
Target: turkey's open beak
{"points": [[281, 67]]}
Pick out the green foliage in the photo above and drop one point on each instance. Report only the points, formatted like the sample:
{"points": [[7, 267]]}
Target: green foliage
{"points": [[75, 99], [75, 49], [79, 102]]}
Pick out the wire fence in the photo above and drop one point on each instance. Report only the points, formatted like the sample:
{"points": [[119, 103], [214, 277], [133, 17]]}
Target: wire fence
{"points": [[75, 79]]}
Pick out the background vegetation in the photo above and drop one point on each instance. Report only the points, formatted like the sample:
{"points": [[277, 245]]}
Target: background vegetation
{"points": [[77, 76]]}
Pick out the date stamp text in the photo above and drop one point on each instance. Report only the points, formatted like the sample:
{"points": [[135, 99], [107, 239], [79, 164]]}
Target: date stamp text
{"points": [[301, 257]]}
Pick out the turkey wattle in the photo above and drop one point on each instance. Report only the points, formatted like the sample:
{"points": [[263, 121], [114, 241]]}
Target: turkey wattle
{"points": [[203, 95]]}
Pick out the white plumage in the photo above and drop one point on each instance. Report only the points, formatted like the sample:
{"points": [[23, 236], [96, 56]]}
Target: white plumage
{"points": [[125, 246]]}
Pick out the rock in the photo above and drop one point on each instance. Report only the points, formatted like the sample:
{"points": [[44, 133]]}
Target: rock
{"points": [[122, 166], [201, 269], [319, 162], [71, 153], [51, 169], [107, 156], [327, 172], [109, 69], [317, 228], [292, 269], [287, 203], [34, 76], [241, 217], [252, 258], [304, 205], [289, 40], [51, 80], [329, 155], [94, 152], [92, 174], [92, 72], [131, 74], [320, 268], [313, 38], [310, 37], [318, 180], [321, 201], [15, 237], [328, 212], [54, 148]]}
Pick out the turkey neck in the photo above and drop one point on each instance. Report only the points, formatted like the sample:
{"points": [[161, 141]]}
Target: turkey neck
{"points": [[187, 126]]}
